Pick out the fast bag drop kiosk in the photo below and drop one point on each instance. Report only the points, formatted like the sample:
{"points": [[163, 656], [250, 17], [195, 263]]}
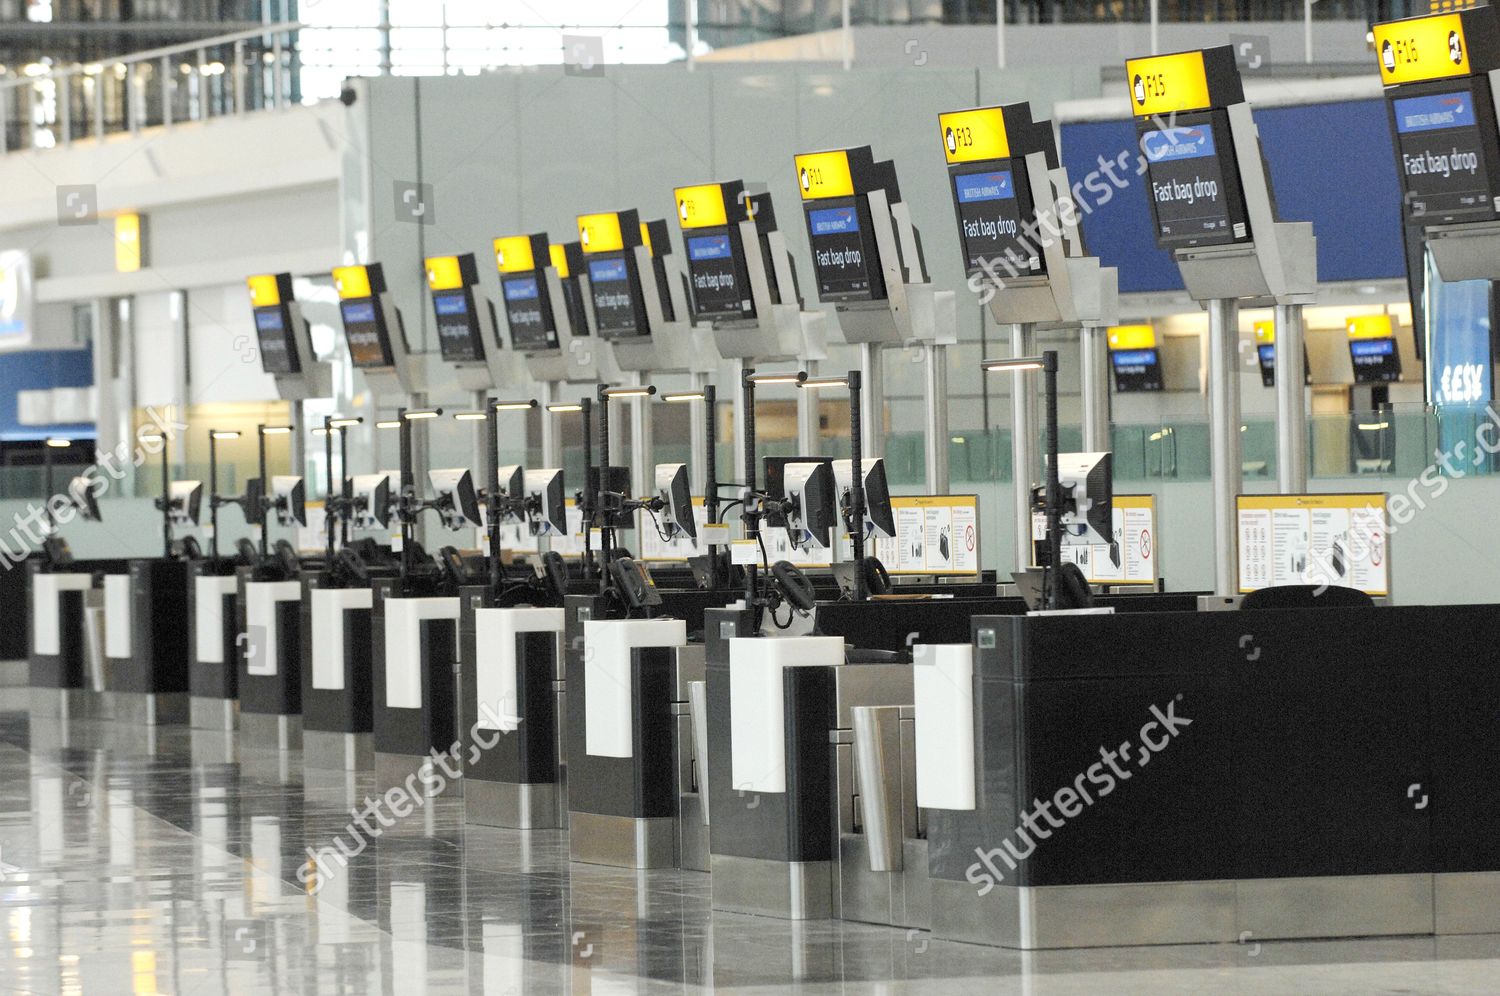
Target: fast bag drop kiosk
{"points": [[543, 307], [743, 284], [1212, 205], [1024, 252], [867, 257], [640, 314]]}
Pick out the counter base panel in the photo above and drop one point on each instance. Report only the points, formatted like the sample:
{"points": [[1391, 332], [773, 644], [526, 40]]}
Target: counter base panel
{"points": [[788, 890], [69, 703], [15, 673], [271, 730], [692, 833], [417, 773], [894, 898], [148, 708], [513, 805], [208, 713], [337, 751], [623, 841]]}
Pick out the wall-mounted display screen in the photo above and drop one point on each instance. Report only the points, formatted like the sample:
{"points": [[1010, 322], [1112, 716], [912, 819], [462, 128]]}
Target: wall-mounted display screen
{"points": [[457, 326], [1136, 370], [364, 328], [716, 277], [1440, 153], [1376, 361], [617, 310], [278, 350], [1265, 353], [1194, 199], [989, 223], [528, 312], [841, 256]]}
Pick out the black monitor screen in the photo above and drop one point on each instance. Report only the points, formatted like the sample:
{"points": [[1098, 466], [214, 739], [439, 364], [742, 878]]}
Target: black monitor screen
{"points": [[840, 256], [526, 311], [1440, 145], [1376, 361], [1265, 353], [718, 291], [1136, 370], [989, 223], [615, 306], [369, 341], [278, 351], [1192, 200], [573, 301], [457, 326]]}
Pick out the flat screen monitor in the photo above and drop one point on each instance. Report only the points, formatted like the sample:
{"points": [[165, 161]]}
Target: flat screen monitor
{"points": [[880, 517], [184, 502], [716, 275], [1087, 484], [676, 493], [618, 482], [254, 502], [775, 486], [365, 329], [513, 489], [842, 254], [457, 499], [990, 214], [289, 499], [273, 332], [1442, 139], [85, 499], [528, 312], [372, 501], [459, 339], [1265, 356], [1376, 361], [617, 299], [1194, 185], [1136, 370], [812, 516], [547, 510]]}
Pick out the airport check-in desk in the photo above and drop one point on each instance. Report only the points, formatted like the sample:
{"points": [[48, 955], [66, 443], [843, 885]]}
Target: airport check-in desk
{"points": [[146, 642], [414, 687], [1274, 774], [213, 675], [270, 659], [337, 703], [59, 600]]}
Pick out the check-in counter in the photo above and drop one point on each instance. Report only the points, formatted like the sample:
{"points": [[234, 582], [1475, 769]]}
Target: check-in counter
{"points": [[60, 603], [270, 661], [337, 695], [213, 677], [414, 656], [146, 642], [1176, 777]]}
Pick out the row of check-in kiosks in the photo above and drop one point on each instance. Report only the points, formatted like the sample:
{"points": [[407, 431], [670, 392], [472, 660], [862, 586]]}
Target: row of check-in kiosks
{"points": [[938, 755]]}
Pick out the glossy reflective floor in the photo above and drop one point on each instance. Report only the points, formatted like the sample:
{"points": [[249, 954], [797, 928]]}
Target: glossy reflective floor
{"points": [[145, 861]]}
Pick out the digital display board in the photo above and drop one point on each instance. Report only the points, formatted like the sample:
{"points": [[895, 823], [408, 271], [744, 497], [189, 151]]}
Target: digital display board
{"points": [[527, 311], [457, 326], [1441, 139], [1136, 370], [364, 328], [278, 351], [716, 276], [616, 294], [1265, 353], [1194, 200], [840, 255], [989, 222], [1459, 339], [1376, 361]]}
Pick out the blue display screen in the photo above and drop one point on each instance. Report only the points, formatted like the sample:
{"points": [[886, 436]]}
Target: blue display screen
{"points": [[520, 289], [1134, 358], [603, 271], [833, 221], [1178, 143], [451, 303], [1267, 354], [1439, 110], [984, 187], [358, 311], [268, 320], [703, 247], [1372, 347]]}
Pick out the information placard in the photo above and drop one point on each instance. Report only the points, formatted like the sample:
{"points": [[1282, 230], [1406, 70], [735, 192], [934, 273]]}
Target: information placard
{"points": [[1335, 539], [1131, 559], [935, 534]]}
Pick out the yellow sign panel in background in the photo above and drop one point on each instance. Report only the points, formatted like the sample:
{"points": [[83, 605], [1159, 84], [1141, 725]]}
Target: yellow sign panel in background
{"points": [[974, 136], [1369, 327], [824, 174], [129, 252], [513, 254], [1165, 84], [444, 273], [1125, 337], [600, 232], [1338, 540], [701, 206], [1265, 331], [1421, 48], [264, 290], [351, 282], [559, 257]]}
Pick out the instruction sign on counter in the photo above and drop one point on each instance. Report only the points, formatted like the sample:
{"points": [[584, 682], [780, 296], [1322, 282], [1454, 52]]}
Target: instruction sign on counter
{"points": [[1337, 539], [935, 534], [1131, 559]]}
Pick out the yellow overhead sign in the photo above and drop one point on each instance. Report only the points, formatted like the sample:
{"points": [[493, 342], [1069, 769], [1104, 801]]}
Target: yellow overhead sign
{"points": [[974, 136], [646, 238], [1265, 331], [513, 254], [600, 232], [1369, 327], [128, 250], [824, 174], [351, 282], [1123, 337], [1421, 48], [559, 256], [1166, 84], [701, 206], [444, 273], [264, 290]]}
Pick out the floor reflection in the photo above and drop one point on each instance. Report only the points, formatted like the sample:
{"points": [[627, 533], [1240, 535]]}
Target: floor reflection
{"points": [[181, 862]]}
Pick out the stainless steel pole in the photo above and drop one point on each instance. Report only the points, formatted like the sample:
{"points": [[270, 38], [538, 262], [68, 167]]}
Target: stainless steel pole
{"points": [[936, 422], [872, 416], [1291, 408], [1226, 468], [1094, 375], [1023, 440]]}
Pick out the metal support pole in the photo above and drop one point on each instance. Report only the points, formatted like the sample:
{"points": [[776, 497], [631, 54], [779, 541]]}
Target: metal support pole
{"points": [[606, 534], [751, 521], [347, 486], [1000, 13], [698, 440], [936, 425], [265, 487], [1054, 490], [740, 416], [1022, 442], [847, 34], [857, 488], [586, 512], [132, 110], [64, 92], [166, 497], [872, 372], [278, 84], [710, 453], [213, 495], [642, 438], [809, 418], [492, 483], [240, 103], [1224, 435], [1291, 409], [167, 80], [1095, 381], [551, 438], [331, 511]]}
